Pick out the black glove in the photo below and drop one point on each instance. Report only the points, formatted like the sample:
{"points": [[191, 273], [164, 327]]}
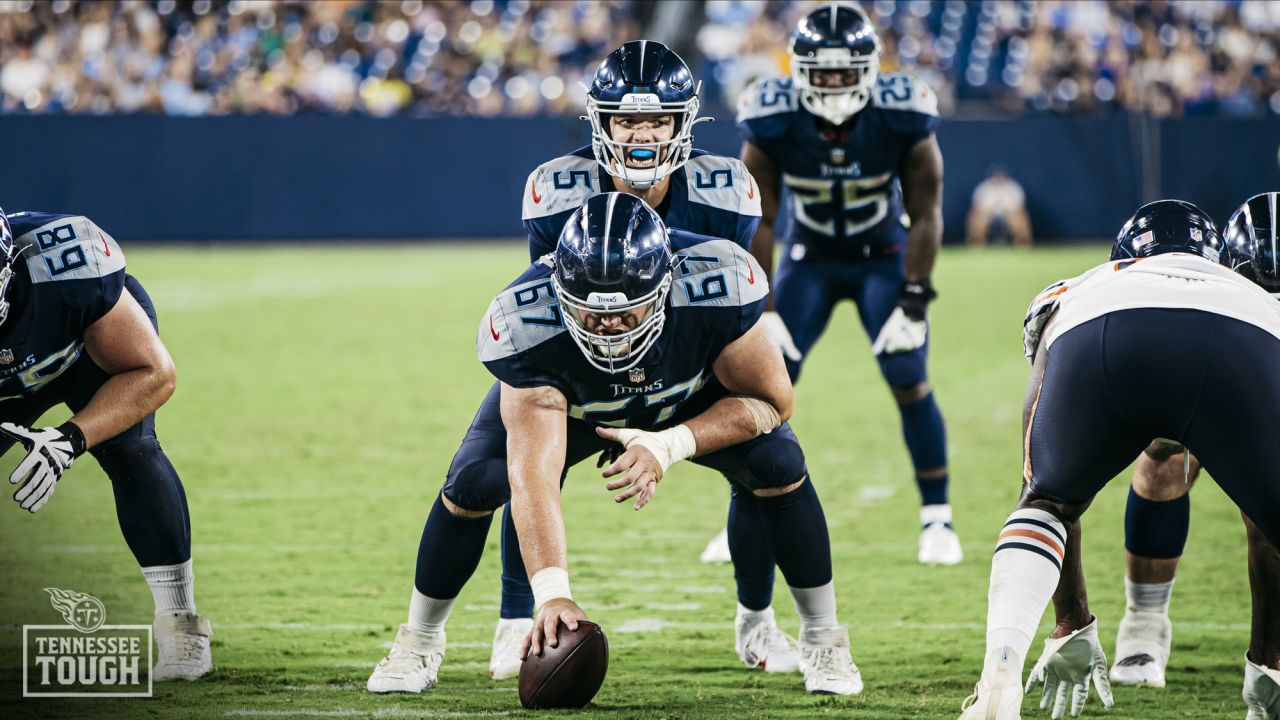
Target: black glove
{"points": [[915, 297]]}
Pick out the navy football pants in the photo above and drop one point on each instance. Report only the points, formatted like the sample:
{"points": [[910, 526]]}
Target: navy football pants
{"points": [[1114, 384], [151, 504], [805, 294]]}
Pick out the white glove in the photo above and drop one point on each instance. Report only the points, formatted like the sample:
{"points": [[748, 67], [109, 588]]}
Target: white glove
{"points": [[1261, 691], [50, 451], [900, 334], [1066, 666], [781, 336]]}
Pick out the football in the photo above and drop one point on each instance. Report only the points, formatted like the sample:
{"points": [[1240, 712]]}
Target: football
{"points": [[568, 675]]}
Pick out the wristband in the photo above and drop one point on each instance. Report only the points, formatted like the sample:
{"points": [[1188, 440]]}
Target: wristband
{"points": [[550, 583], [75, 436]]}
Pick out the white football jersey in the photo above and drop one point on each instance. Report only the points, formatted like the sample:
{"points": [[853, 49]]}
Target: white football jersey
{"points": [[1171, 280]]}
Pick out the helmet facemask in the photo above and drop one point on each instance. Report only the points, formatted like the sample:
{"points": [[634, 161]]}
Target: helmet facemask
{"points": [[622, 351], [835, 104], [669, 155]]}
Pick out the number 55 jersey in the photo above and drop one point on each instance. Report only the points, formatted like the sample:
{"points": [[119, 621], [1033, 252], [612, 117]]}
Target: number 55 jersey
{"points": [[846, 202]]}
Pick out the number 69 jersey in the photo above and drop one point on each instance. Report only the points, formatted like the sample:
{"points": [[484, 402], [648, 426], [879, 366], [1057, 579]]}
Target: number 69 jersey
{"points": [[69, 273], [843, 183], [717, 294]]}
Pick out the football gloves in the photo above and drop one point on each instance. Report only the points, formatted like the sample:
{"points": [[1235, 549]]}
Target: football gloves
{"points": [[907, 328], [1066, 667], [50, 451], [1261, 691], [781, 336]]}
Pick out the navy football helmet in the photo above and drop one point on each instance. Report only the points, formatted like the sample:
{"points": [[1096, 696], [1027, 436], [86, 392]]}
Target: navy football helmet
{"points": [[613, 259], [642, 77], [1252, 236], [1166, 226], [835, 37], [8, 256]]}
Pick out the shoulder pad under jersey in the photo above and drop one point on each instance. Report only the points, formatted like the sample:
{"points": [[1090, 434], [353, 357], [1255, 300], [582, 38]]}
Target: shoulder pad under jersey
{"points": [[765, 109], [901, 91], [521, 317], [65, 247], [722, 182], [717, 273], [559, 185]]}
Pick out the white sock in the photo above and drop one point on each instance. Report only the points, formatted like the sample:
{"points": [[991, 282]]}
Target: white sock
{"points": [[753, 617], [428, 614], [816, 606], [1148, 597], [172, 587], [1024, 574]]}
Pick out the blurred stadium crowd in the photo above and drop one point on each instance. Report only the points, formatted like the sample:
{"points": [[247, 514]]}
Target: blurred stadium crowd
{"points": [[527, 57]]}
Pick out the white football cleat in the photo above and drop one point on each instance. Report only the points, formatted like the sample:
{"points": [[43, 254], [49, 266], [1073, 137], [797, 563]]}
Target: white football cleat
{"points": [[504, 661], [826, 663], [939, 544], [182, 644], [1142, 648], [762, 644], [1261, 691], [717, 551], [998, 696], [412, 664]]}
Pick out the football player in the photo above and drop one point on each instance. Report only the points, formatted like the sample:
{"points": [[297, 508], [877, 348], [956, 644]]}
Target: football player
{"points": [[1158, 514], [1163, 342], [613, 339], [856, 152], [642, 106], [75, 329]]}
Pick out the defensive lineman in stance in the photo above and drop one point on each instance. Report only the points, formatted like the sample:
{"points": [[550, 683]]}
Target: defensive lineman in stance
{"points": [[615, 339], [76, 330], [642, 106], [1158, 514], [856, 151], [1164, 342]]}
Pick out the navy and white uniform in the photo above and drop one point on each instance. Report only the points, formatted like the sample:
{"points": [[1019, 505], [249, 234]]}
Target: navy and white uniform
{"points": [[717, 294], [70, 274], [709, 195], [1173, 347], [847, 235]]}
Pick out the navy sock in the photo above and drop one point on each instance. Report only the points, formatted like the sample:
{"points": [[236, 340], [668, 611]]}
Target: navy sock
{"points": [[151, 504], [797, 532], [926, 436], [517, 594], [749, 546], [1155, 529], [449, 552]]}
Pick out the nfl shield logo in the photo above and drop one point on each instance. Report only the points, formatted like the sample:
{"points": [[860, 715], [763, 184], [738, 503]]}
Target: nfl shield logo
{"points": [[6, 356], [837, 156], [636, 375]]}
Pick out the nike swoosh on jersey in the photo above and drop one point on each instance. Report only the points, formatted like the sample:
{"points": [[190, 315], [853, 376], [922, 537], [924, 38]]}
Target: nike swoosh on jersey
{"points": [[751, 190], [491, 330], [533, 192]]}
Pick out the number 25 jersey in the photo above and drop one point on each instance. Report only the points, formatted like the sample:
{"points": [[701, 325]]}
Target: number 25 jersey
{"points": [[843, 183]]}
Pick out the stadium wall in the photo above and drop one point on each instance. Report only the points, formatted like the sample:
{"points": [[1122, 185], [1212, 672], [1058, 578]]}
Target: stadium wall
{"points": [[151, 177]]}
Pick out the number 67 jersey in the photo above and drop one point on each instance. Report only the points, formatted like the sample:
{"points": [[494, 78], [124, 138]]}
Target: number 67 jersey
{"points": [[843, 182], [69, 274], [717, 295]]}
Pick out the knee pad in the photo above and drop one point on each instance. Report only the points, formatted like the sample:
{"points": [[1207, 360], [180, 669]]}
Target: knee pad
{"points": [[903, 369], [776, 463], [478, 485]]}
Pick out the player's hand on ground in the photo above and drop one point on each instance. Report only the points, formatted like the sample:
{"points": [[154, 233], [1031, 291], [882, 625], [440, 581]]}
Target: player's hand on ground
{"points": [[50, 451], [638, 467], [781, 336], [1066, 667], [546, 626]]}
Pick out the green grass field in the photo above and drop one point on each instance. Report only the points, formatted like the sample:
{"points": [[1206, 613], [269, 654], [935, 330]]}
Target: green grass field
{"points": [[323, 390]]}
